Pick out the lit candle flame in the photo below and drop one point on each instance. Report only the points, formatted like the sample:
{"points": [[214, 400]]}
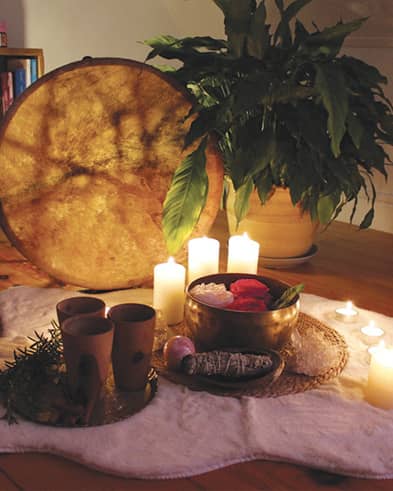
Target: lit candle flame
{"points": [[377, 347], [349, 305]]}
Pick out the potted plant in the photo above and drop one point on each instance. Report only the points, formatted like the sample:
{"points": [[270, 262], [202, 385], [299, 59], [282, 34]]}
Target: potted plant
{"points": [[287, 110]]}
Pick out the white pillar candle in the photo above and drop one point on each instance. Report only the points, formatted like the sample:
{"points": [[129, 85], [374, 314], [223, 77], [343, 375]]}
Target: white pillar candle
{"points": [[347, 313], [243, 254], [379, 390], [203, 257], [371, 334], [168, 290]]}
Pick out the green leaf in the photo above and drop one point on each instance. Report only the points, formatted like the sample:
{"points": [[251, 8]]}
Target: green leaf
{"points": [[200, 126], [283, 30], [242, 199], [168, 46], [364, 74], [237, 22], [372, 154], [301, 33], [355, 129], [264, 185], [368, 219], [185, 199], [165, 68], [264, 151], [258, 37], [287, 297], [329, 41], [326, 206], [162, 41], [331, 84]]}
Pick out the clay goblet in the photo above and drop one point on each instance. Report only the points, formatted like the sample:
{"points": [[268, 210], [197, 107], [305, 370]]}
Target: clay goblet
{"points": [[132, 344], [79, 306], [87, 343]]}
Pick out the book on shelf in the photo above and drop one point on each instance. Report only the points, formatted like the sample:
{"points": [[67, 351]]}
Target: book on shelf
{"points": [[25, 63], [19, 79], [33, 69], [7, 91]]}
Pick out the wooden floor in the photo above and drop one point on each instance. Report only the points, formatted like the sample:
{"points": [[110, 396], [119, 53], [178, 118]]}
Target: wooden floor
{"points": [[350, 264]]}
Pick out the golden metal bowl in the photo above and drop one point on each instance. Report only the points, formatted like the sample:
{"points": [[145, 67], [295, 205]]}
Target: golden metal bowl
{"points": [[214, 327]]}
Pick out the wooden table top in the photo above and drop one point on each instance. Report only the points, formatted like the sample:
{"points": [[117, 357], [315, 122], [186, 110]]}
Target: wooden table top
{"points": [[350, 264]]}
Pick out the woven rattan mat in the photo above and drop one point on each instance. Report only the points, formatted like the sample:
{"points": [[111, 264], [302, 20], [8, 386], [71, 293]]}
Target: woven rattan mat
{"points": [[287, 383]]}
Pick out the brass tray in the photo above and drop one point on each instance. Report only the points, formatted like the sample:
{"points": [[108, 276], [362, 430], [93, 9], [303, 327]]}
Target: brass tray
{"points": [[114, 405]]}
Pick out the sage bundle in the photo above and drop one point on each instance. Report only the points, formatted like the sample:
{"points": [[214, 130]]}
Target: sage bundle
{"points": [[227, 364]]}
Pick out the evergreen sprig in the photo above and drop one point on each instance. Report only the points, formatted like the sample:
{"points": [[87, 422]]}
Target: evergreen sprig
{"points": [[31, 368]]}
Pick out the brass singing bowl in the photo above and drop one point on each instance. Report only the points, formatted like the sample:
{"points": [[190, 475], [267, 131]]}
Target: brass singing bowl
{"points": [[214, 327]]}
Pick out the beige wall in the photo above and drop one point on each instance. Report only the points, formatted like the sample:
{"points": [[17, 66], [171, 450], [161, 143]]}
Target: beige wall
{"points": [[67, 30]]}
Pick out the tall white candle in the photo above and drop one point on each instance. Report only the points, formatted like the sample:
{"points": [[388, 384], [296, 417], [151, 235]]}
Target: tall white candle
{"points": [[203, 257], [243, 254], [168, 292], [379, 390]]}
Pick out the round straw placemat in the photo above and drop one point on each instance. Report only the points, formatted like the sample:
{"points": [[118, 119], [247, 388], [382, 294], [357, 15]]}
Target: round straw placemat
{"points": [[287, 383]]}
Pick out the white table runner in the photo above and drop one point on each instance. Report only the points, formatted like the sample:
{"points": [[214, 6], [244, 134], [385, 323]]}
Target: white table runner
{"points": [[182, 433]]}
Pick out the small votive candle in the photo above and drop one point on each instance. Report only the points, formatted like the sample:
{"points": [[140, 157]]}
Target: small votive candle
{"points": [[379, 389], [375, 347], [371, 334], [203, 257], [168, 290], [347, 313], [243, 254]]}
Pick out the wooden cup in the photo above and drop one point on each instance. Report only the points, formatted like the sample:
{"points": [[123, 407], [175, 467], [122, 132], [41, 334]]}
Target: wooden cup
{"points": [[132, 344], [79, 305]]}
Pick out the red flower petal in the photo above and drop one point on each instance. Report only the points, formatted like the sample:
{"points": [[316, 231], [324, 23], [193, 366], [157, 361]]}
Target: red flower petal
{"points": [[249, 288], [247, 304]]}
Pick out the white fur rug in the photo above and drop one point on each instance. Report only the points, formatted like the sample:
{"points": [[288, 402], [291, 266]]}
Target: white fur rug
{"points": [[183, 433]]}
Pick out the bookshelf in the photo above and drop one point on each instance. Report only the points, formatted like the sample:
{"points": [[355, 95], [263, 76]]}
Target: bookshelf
{"points": [[19, 68], [25, 53]]}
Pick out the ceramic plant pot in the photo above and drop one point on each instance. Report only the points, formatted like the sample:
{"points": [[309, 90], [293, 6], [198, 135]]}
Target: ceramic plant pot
{"points": [[282, 230]]}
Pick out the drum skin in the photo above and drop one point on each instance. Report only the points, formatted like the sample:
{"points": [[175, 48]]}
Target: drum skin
{"points": [[87, 154]]}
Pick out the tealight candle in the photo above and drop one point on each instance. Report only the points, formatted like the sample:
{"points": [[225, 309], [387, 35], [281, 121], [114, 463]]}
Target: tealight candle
{"points": [[243, 254], [203, 257], [379, 390], [168, 290], [375, 347], [371, 333], [347, 313]]}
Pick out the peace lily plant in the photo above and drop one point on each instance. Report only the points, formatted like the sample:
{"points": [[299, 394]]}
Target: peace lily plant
{"points": [[286, 109]]}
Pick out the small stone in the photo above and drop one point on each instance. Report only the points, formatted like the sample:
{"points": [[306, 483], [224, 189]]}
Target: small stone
{"points": [[312, 354]]}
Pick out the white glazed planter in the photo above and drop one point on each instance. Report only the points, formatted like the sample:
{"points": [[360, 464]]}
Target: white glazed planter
{"points": [[282, 230]]}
